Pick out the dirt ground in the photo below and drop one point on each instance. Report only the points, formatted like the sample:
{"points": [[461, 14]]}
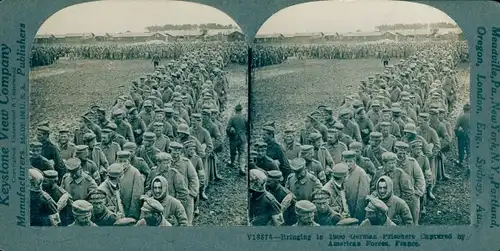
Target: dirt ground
{"points": [[285, 93], [63, 91]]}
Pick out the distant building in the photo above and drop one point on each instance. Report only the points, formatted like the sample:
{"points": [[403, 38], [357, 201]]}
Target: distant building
{"points": [[138, 37], [101, 37], [44, 38], [76, 38], [224, 35], [367, 36], [303, 37], [269, 38], [184, 35], [414, 35]]}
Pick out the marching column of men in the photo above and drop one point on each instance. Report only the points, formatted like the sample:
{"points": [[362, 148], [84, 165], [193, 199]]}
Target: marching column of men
{"points": [[377, 163], [150, 161]]}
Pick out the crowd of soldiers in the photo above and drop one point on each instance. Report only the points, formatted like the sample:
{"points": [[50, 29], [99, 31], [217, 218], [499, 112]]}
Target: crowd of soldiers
{"points": [[376, 162], [147, 160], [271, 54], [46, 54]]}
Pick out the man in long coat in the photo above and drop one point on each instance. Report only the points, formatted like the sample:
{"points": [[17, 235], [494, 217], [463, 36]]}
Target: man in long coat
{"points": [[357, 186], [131, 186]]}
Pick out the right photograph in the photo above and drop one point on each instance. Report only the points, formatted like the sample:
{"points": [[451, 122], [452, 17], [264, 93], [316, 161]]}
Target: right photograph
{"points": [[359, 116]]}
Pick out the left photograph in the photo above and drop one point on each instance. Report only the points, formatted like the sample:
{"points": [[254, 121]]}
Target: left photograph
{"points": [[138, 117]]}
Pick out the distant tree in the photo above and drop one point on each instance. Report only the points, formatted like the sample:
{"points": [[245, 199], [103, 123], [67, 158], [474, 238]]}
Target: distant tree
{"points": [[386, 27], [209, 26]]}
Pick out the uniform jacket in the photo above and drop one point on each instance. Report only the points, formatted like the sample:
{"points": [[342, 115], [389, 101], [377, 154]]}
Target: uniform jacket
{"points": [[80, 188], [304, 188], [174, 211], [131, 189], [399, 211], [357, 187]]}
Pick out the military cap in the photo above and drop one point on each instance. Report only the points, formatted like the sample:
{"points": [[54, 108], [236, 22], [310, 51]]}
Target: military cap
{"points": [[388, 156], [115, 170], [257, 180], [289, 129], [158, 124], [260, 144], [50, 174], [355, 145], [81, 207], [44, 129], [311, 116], [176, 145], [169, 110], [357, 102], [376, 205], [344, 111], [118, 112], [321, 196], [386, 110], [433, 111], [123, 154], [35, 175], [152, 205], [423, 115], [189, 143], [88, 136], [106, 130], [129, 103], [306, 148], [410, 128], [163, 156], [149, 136], [340, 170], [206, 112], [177, 99], [183, 128], [129, 146], [125, 222], [81, 148], [348, 222], [268, 129], [401, 144], [297, 164], [375, 103], [147, 103], [196, 115], [96, 195], [328, 109], [36, 144], [338, 126], [73, 163], [315, 136], [441, 109], [348, 154], [63, 131], [112, 126], [358, 111], [376, 135], [416, 143], [396, 109], [275, 175], [159, 110], [385, 123], [304, 207], [405, 98]]}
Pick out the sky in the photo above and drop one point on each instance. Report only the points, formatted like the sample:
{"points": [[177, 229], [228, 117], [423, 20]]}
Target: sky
{"points": [[329, 16]]}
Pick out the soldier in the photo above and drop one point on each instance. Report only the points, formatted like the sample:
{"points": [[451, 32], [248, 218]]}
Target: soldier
{"points": [[109, 147], [305, 211], [114, 136], [338, 129], [177, 186], [187, 170], [148, 151], [357, 186], [137, 124], [82, 212], [111, 187], [351, 128], [37, 160], [313, 165], [412, 168], [374, 114], [365, 124], [101, 215], [418, 154], [434, 143], [321, 154], [264, 209], [174, 211], [123, 127], [201, 134], [335, 146], [445, 139], [376, 214], [398, 209], [275, 151], [96, 154], [363, 162], [309, 128], [387, 117], [325, 215], [131, 186], [388, 140], [374, 150], [152, 214], [43, 207], [236, 131], [77, 182], [88, 166], [301, 183], [211, 162], [60, 196], [262, 160], [135, 161], [162, 141], [281, 194], [50, 151], [462, 131], [290, 146], [147, 114], [66, 149]]}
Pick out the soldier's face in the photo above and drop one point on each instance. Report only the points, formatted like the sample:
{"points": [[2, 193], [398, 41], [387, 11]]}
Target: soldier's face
{"points": [[305, 218], [132, 115], [373, 217], [83, 155], [158, 130], [357, 151], [307, 155], [75, 174], [118, 118], [384, 130], [191, 151], [261, 152], [387, 117], [42, 136], [288, 137], [317, 143], [165, 164], [196, 121], [331, 137], [63, 138], [321, 206], [148, 143], [382, 189], [176, 153], [374, 142], [157, 189], [97, 207], [389, 165], [105, 138], [401, 153], [351, 163], [47, 184], [148, 108], [131, 151], [36, 151], [122, 160], [83, 219], [91, 143], [423, 121], [376, 108], [159, 116]]}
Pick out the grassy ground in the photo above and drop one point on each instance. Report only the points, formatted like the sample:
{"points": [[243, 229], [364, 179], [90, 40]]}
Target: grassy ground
{"points": [[63, 91], [286, 93]]}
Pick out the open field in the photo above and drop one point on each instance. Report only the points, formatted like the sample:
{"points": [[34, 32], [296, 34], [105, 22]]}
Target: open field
{"points": [[287, 92], [65, 90]]}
